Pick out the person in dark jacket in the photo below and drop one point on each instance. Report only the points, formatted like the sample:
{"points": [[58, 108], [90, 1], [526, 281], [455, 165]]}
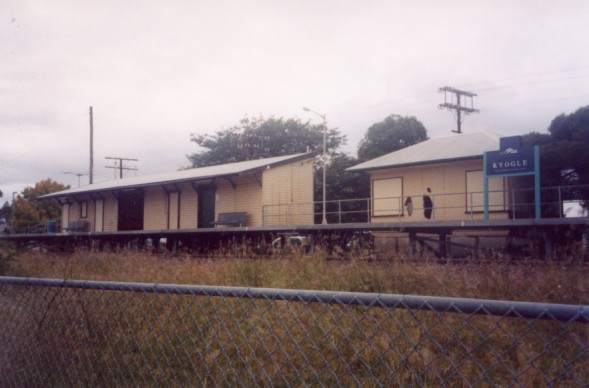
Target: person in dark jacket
{"points": [[428, 205]]}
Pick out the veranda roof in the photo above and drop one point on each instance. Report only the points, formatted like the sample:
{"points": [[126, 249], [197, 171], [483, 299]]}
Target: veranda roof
{"points": [[189, 175]]}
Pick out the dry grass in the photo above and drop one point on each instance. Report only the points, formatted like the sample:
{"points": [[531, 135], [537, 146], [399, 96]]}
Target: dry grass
{"points": [[71, 336], [553, 282]]}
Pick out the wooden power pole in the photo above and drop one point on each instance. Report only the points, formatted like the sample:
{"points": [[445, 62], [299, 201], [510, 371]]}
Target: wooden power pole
{"points": [[91, 172], [120, 164], [456, 104]]}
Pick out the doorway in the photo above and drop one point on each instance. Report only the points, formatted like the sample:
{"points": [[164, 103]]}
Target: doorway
{"points": [[131, 210], [206, 207]]}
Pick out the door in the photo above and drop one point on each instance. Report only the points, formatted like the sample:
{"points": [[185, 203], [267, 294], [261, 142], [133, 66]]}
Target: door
{"points": [[99, 215], [206, 207], [131, 210]]}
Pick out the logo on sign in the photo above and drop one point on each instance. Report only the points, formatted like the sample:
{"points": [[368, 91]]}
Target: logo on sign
{"points": [[510, 151]]}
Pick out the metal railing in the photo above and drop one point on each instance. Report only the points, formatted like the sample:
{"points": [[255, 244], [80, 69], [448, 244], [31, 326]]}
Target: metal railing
{"points": [[70, 333], [556, 202], [33, 227]]}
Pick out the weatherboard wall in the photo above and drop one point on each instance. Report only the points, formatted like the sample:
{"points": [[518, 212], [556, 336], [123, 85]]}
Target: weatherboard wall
{"points": [[240, 194], [188, 206], [111, 212], [452, 198], [288, 194], [155, 209]]}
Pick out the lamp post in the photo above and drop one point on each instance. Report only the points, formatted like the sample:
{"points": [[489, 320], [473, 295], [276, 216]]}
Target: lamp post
{"points": [[324, 222], [78, 174], [12, 214]]}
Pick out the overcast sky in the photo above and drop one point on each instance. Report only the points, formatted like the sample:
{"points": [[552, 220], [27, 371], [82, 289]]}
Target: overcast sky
{"points": [[156, 72]]}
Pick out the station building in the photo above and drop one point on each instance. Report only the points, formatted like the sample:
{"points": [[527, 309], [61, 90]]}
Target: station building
{"points": [[195, 198], [439, 180]]}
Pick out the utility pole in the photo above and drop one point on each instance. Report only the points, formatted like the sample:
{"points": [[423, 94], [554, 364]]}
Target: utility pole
{"points": [[457, 104], [12, 228], [91, 172], [120, 164]]}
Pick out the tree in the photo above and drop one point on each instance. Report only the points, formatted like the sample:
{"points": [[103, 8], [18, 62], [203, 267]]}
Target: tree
{"points": [[258, 137], [570, 145], [564, 155], [573, 127], [5, 210], [564, 160], [344, 185], [28, 210], [392, 134]]}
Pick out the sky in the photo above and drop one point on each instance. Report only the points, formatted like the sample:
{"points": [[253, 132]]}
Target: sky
{"points": [[157, 71]]}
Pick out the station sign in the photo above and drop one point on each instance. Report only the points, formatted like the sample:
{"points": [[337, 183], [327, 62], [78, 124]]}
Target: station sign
{"points": [[511, 159]]}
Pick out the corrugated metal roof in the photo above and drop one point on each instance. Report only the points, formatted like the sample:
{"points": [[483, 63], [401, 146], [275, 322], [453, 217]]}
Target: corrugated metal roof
{"points": [[455, 147], [193, 174]]}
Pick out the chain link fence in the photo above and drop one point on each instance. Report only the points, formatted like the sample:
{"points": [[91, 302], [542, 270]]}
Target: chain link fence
{"points": [[71, 333]]}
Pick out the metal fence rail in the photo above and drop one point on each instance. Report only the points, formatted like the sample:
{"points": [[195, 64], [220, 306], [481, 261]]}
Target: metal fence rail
{"points": [[556, 202], [55, 332]]}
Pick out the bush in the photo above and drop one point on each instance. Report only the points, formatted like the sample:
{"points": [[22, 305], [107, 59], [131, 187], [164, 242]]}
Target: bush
{"points": [[7, 255]]}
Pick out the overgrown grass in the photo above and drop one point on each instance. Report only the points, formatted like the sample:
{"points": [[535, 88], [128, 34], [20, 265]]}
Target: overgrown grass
{"points": [[553, 282], [7, 255], [68, 336]]}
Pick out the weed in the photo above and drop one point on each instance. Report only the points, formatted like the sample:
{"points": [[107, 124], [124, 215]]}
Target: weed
{"points": [[7, 256], [554, 282]]}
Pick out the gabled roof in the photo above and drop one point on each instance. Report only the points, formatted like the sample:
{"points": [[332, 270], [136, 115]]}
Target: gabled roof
{"points": [[442, 149], [189, 175]]}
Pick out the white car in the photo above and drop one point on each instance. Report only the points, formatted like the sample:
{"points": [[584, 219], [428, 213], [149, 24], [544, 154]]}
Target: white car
{"points": [[295, 240]]}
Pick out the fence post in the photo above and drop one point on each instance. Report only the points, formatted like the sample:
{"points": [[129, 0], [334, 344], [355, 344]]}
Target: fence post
{"points": [[412, 244], [471, 206], [513, 204], [339, 211], [559, 202]]}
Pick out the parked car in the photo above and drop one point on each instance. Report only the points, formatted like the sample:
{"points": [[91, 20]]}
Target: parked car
{"points": [[282, 241]]}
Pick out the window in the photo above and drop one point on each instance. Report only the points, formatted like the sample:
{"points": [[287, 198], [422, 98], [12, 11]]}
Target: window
{"points": [[475, 200], [387, 196], [83, 209]]}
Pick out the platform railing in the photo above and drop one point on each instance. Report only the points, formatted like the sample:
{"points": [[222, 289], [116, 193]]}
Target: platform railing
{"points": [[556, 202], [33, 227]]}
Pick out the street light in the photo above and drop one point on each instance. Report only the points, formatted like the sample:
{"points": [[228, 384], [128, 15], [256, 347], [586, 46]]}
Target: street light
{"points": [[324, 222], [12, 213], [78, 174]]}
